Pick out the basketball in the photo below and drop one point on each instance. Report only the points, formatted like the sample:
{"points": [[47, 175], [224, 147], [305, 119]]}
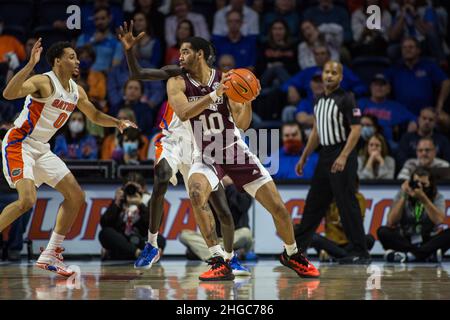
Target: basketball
{"points": [[243, 85]]}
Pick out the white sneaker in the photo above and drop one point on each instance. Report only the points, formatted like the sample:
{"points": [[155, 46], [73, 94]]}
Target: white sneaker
{"points": [[52, 260]]}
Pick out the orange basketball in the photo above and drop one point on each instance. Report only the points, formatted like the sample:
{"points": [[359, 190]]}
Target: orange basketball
{"points": [[243, 85]]}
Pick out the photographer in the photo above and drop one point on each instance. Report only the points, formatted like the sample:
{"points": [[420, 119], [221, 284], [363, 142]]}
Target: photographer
{"points": [[125, 223], [415, 229]]}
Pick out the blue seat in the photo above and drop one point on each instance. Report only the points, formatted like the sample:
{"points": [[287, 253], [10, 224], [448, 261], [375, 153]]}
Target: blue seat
{"points": [[367, 66]]}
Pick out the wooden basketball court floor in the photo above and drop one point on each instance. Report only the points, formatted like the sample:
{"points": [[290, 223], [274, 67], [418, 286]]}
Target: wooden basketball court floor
{"points": [[177, 279]]}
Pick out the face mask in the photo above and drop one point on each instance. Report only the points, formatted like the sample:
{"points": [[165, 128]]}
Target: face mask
{"points": [[292, 146], [130, 147], [367, 132], [76, 126], [85, 65]]}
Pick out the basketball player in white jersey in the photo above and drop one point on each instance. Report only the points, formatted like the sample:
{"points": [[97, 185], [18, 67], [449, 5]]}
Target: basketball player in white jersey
{"points": [[27, 159], [173, 154]]}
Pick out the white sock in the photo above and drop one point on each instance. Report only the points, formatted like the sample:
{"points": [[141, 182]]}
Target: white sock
{"points": [[153, 239], [228, 255], [216, 251], [55, 241], [291, 249]]}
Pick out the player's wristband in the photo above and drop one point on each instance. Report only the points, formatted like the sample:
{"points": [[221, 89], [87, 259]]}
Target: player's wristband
{"points": [[213, 95]]}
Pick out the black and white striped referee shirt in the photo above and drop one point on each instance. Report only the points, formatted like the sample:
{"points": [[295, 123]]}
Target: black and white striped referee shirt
{"points": [[334, 114]]}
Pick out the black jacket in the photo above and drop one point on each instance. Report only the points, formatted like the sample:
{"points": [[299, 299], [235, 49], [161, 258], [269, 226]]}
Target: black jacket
{"points": [[112, 218]]}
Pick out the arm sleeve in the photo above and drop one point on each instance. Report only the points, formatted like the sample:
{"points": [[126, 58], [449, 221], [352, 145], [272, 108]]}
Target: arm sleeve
{"points": [[109, 218], [387, 171], [363, 172], [118, 52], [350, 109], [437, 75], [439, 202], [405, 173]]}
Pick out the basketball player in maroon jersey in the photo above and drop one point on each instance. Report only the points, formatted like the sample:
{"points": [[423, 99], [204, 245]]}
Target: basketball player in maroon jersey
{"points": [[198, 96], [164, 170]]}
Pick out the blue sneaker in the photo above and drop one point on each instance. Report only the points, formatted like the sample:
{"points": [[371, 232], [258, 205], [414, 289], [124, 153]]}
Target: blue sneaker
{"points": [[148, 257], [238, 268]]}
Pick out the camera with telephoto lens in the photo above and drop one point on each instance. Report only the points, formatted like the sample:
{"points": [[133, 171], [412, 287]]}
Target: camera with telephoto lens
{"points": [[130, 189], [413, 184]]}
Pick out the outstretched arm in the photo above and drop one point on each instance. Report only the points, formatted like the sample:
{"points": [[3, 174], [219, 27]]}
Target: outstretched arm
{"points": [[127, 39], [98, 117], [184, 109], [19, 86]]}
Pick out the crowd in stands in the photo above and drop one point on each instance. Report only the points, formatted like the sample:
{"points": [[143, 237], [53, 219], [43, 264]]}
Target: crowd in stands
{"points": [[398, 73]]}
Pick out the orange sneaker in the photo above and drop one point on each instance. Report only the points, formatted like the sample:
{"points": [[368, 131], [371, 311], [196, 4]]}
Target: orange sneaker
{"points": [[299, 264], [220, 270], [52, 260]]}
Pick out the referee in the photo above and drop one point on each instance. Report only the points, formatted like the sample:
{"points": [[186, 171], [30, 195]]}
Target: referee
{"points": [[337, 129]]}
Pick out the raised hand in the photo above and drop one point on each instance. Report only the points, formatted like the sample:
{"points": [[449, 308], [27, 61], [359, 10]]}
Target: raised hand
{"points": [[123, 124], [222, 86], [125, 36], [36, 51]]}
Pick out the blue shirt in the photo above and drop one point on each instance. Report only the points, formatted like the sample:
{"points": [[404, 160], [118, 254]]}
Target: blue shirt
{"points": [[243, 51], [287, 163], [153, 90], [87, 17], [106, 51], [337, 15], [415, 88], [389, 113], [306, 105], [76, 148], [301, 80]]}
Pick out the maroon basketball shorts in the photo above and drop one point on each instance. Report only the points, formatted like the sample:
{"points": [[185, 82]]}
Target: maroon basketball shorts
{"points": [[241, 165]]}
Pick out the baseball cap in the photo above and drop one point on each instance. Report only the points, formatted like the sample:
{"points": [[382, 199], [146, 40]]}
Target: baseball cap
{"points": [[379, 77]]}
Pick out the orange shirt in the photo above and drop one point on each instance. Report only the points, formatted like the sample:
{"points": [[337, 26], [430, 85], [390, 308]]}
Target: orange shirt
{"points": [[97, 85], [9, 43]]}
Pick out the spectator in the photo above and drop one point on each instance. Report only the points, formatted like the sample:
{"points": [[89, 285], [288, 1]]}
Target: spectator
{"points": [[12, 50], [327, 13], [415, 227], [226, 63], [241, 47], [415, 80], [88, 10], [289, 153], [250, 20], [376, 163], [125, 222], [185, 30], [94, 82], [301, 80], [305, 108], [277, 58], [152, 95], [181, 10], [389, 113], [420, 24], [145, 112], [155, 18], [426, 158], [239, 203], [334, 245], [426, 126], [107, 48], [283, 10], [312, 36], [370, 42], [369, 127], [148, 48], [111, 146], [75, 142]]}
